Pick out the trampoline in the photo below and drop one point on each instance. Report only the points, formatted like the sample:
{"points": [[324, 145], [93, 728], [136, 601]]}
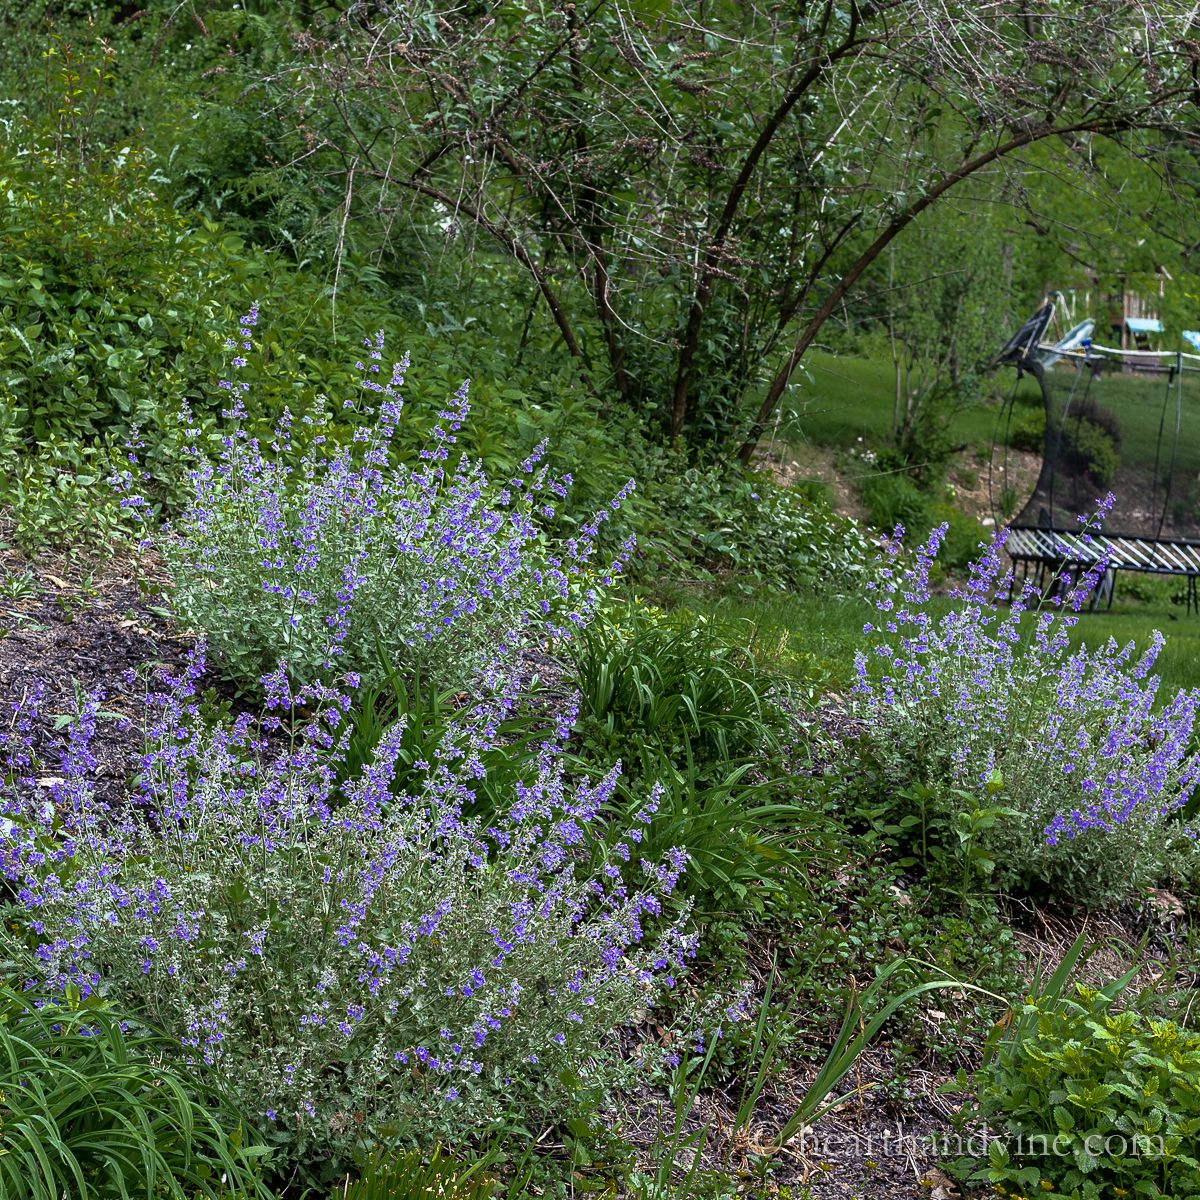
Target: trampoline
{"points": [[1119, 421]]}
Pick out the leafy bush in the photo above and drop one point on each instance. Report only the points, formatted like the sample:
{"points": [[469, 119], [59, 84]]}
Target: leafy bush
{"points": [[60, 494], [1092, 1102], [1146, 588], [964, 536], [1103, 418], [88, 1110], [1028, 432], [107, 318], [893, 500], [1090, 439], [383, 962], [1093, 770], [780, 537], [439, 570], [1087, 447], [114, 309]]}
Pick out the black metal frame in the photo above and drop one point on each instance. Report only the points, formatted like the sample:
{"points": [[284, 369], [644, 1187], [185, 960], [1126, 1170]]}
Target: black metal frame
{"points": [[1066, 570]]}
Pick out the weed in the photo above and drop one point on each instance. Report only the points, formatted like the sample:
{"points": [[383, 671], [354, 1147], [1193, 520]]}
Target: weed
{"points": [[17, 587]]}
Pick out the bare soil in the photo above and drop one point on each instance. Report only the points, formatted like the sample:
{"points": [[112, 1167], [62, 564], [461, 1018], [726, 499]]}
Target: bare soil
{"points": [[793, 464], [87, 624], [977, 488]]}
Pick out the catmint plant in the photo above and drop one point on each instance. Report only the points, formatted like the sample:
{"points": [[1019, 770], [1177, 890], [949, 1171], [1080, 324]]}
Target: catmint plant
{"points": [[1093, 765], [323, 562], [383, 960]]}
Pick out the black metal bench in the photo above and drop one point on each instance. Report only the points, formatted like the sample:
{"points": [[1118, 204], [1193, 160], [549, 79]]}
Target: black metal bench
{"points": [[1067, 557]]}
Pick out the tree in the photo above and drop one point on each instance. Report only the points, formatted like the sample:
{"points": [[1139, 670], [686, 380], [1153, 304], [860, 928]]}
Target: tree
{"points": [[936, 307], [694, 189]]}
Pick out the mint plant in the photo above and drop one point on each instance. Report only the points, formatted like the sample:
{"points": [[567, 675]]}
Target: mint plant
{"points": [[1094, 765], [1091, 1103], [320, 563]]}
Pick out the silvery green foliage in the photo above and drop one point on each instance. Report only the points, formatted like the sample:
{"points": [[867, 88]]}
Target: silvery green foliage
{"points": [[317, 562], [1094, 767], [385, 958]]}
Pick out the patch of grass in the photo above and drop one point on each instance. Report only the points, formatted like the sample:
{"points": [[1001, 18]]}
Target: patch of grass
{"points": [[1178, 663], [847, 398], [812, 639], [809, 639]]}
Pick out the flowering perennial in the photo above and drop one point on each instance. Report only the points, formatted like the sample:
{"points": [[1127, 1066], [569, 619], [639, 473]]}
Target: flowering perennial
{"points": [[1084, 749], [385, 957], [323, 562]]}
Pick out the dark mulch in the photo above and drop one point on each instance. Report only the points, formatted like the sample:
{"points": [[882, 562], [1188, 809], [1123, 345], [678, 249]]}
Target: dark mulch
{"points": [[874, 1145], [86, 623]]}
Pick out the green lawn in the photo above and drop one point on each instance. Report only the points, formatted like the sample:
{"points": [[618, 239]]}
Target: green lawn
{"points": [[813, 639], [842, 399]]}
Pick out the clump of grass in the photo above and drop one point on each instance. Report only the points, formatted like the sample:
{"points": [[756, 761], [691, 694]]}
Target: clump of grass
{"points": [[90, 1110]]}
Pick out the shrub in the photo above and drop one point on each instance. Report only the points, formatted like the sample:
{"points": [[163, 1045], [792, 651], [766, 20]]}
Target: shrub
{"points": [[114, 306], [88, 1110], [893, 500], [1102, 418], [1092, 769], [384, 961], [964, 536], [1086, 447], [795, 538], [784, 538], [1113, 1100], [1145, 588], [438, 569], [1028, 432]]}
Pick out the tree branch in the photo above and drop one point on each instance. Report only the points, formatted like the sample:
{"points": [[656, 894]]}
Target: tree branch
{"points": [[899, 223]]}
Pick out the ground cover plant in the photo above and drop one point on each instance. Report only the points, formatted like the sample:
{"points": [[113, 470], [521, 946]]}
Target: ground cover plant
{"points": [[1086, 1092]]}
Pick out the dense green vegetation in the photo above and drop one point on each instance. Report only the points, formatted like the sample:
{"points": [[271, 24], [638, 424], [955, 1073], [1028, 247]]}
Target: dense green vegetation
{"points": [[652, 240]]}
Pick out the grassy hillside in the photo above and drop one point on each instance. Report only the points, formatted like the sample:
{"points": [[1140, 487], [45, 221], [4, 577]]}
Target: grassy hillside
{"points": [[844, 398]]}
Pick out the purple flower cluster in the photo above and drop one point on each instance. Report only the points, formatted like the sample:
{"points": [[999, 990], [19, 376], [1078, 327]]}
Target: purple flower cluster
{"points": [[1079, 737], [386, 947], [319, 563]]}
